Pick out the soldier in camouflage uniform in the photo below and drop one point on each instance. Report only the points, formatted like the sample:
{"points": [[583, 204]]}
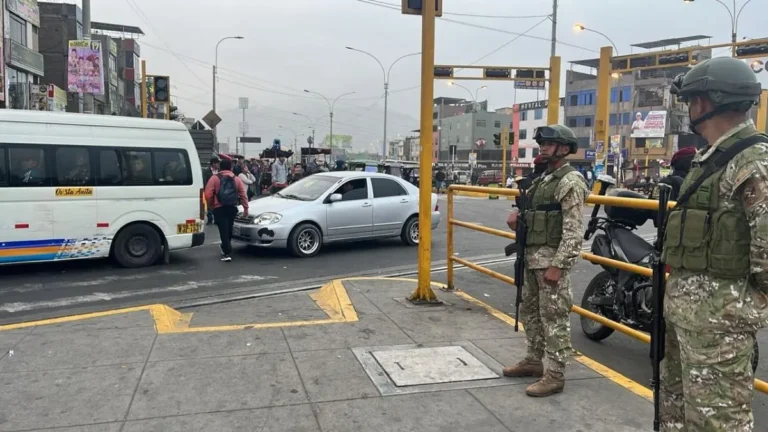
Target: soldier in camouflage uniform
{"points": [[555, 228], [717, 247]]}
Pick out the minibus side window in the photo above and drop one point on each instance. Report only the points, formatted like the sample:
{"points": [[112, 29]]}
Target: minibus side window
{"points": [[3, 168], [110, 172], [27, 167], [172, 167], [138, 167], [73, 167]]}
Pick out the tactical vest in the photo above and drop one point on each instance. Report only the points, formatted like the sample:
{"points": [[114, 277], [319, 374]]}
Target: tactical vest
{"points": [[544, 217], [708, 234]]}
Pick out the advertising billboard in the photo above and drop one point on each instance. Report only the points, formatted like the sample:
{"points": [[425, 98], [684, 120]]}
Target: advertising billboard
{"points": [[652, 126], [85, 71]]}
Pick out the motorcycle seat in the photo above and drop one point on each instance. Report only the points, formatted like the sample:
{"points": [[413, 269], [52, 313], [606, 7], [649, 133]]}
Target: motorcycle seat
{"points": [[635, 247]]}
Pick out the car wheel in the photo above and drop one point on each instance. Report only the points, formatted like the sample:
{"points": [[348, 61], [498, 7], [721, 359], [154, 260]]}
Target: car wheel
{"points": [[305, 241], [137, 245], [410, 234]]}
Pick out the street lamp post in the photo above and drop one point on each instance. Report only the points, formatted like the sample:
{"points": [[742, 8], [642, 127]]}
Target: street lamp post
{"points": [[580, 27], [734, 19], [215, 67], [330, 109], [386, 86]]}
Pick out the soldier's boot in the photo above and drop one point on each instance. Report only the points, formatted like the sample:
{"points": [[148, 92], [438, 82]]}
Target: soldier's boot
{"points": [[525, 368], [549, 384]]}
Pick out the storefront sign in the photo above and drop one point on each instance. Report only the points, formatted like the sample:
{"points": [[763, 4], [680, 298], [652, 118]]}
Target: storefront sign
{"points": [[589, 154], [26, 59]]}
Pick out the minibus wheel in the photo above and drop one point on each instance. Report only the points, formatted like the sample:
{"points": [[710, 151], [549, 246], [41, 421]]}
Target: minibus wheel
{"points": [[137, 245]]}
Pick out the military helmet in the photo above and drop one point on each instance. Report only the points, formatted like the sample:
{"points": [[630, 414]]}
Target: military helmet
{"points": [[559, 134], [729, 83]]}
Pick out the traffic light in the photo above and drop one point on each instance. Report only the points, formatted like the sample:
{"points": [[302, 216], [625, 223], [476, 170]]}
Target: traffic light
{"points": [[161, 90], [173, 112], [497, 139], [511, 138], [413, 7]]}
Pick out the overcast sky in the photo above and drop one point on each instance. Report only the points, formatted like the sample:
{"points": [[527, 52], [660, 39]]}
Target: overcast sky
{"points": [[291, 45]]}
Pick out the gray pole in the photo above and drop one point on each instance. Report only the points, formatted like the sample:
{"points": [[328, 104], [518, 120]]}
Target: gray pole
{"points": [[386, 98], [243, 131], [88, 97], [215, 140], [330, 143], [554, 29]]}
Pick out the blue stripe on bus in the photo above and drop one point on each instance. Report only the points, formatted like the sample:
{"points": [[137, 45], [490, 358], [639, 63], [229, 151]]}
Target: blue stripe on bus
{"points": [[27, 258], [32, 243]]}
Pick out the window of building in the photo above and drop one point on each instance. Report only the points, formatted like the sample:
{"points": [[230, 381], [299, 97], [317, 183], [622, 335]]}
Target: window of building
{"points": [[73, 167], [497, 124], [589, 97], [535, 152], [523, 115], [538, 114], [521, 153], [434, 128], [138, 169], [523, 134], [573, 99], [18, 29], [511, 126], [353, 190], [110, 170], [434, 115], [588, 121], [383, 188], [639, 142], [27, 167], [584, 142], [626, 94], [480, 123], [112, 63], [626, 118], [572, 121], [18, 88], [137, 66], [79, 31]]}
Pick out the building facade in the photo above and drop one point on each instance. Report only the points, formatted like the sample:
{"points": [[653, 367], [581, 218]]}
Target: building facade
{"points": [[24, 65], [472, 132], [445, 107]]}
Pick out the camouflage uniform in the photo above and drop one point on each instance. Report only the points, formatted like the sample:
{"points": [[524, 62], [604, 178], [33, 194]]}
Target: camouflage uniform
{"points": [[706, 376]]}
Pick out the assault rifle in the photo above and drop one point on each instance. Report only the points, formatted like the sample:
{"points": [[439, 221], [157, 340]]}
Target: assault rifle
{"points": [[658, 327], [518, 247]]}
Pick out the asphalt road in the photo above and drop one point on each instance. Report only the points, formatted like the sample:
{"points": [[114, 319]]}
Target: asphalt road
{"points": [[53, 289]]}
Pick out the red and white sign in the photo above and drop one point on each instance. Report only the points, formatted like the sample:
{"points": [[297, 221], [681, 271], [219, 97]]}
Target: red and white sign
{"points": [[480, 143]]}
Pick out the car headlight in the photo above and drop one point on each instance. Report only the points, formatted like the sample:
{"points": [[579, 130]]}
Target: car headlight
{"points": [[267, 218]]}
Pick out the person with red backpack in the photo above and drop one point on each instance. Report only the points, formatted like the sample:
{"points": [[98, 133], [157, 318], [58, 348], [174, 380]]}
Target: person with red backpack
{"points": [[223, 193]]}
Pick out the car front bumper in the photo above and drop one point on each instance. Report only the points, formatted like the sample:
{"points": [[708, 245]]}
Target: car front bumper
{"points": [[265, 236]]}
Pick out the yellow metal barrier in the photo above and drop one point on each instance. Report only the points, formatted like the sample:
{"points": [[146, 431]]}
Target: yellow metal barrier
{"points": [[645, 204]]}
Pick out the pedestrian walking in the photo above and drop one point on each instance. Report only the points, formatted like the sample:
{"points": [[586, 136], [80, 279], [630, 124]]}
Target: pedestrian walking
{"points": [[212, 170], [224, 192], [554, 230], [279, 175], [716, 245]]}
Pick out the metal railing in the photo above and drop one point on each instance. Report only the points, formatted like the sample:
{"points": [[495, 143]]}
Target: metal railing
{"points": [[635, 203]]}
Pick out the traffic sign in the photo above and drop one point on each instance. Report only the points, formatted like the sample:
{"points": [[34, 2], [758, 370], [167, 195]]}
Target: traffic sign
{"points": [[242, 103], [254, 140], [212, 119]]}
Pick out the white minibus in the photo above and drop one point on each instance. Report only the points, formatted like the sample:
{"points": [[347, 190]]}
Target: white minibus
{"points": [[75, 186]]}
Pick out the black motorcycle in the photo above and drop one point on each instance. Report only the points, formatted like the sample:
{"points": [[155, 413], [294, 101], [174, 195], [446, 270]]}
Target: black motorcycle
{"points": [[619, 295]]}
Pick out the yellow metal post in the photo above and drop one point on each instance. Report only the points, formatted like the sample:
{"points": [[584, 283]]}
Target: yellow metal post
{"points": [[603, 98], [143, 89], [553, 109], [762, 112], [423, 292], [449, 245], [504, 149]]}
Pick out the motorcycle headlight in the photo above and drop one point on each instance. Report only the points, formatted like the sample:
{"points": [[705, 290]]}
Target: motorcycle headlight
{"points": [[267, 218]]}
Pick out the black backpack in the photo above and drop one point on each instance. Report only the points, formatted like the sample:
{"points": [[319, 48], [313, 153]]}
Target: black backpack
{"points": [[228, 195]]}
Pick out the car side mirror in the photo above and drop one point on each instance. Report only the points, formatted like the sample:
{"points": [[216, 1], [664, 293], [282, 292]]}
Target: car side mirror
{"points": [[335, 197]]}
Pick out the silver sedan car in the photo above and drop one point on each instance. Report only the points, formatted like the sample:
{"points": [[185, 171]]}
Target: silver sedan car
{"points": [[333, 207]]}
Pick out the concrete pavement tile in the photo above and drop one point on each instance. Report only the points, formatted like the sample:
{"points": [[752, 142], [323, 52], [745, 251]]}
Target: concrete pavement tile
{"points": [[333, 375], [46, 399], [594, 405], [427, 412], [9, 338], [454, 323], [375, 329], [218, 344], [124, 320], [360, 301], [511, 350], [298, 418], [217, 384], [102, 427], [58, 350], [289, 307]]}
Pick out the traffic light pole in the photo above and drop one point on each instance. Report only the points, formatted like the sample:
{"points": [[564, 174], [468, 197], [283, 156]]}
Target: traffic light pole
{"points": [[143, 89]]}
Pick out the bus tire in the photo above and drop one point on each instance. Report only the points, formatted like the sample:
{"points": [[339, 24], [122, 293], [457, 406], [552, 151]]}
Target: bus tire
{"points": [[137, 245]]}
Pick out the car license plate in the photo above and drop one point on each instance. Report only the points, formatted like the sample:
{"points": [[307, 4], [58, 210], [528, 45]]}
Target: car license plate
{"points": [[187, 228]]}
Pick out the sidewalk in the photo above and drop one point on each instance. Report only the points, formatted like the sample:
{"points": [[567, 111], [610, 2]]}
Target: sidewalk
{"points": [[353, 356]]}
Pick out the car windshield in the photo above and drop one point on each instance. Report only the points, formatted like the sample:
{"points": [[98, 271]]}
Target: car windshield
{"points": [[309, 188]]}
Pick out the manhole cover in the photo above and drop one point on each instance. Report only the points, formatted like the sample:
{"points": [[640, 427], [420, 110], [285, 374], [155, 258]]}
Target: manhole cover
{"points": [[419, 366]]}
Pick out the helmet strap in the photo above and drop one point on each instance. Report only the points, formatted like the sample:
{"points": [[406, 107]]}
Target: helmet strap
{"points": [[710, 115]]}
